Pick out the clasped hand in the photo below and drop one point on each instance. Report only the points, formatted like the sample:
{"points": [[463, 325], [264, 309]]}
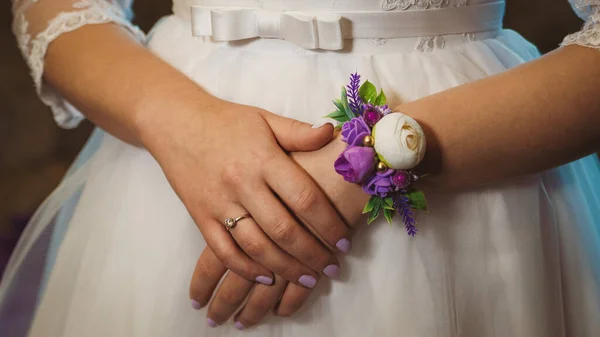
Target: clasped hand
{"points": [[231, 160], [282, 298]]}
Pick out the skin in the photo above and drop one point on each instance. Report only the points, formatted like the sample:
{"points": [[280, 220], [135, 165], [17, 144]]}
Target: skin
{"points": [[537, 116]]}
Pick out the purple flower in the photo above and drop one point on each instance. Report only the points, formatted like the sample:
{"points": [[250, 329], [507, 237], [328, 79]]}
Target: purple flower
{"points": [[380, 184], [401, 179], [403, 208], [356, 163], [371, 115], [384, 109], [354, 130], [354, 100]]}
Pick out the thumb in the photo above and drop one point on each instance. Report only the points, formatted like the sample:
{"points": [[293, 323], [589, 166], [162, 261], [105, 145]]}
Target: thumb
{"points": [[293, 135]]}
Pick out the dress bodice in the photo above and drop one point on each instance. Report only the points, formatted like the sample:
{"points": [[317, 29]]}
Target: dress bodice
{"points": [[317, 24], [335, 5]]}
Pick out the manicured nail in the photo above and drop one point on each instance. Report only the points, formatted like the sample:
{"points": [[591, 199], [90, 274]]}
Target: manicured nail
{"points": [[264, 280], [196, 305], [239, 325], [344, 245], [212, 323], [332, 271], [307, 281]]}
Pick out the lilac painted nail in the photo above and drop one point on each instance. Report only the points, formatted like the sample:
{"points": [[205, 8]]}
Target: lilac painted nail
{"points": [[196, 305], [344, 245], [332, 271], [239, 325], [212, 323], [307, 281], [264, 280]]}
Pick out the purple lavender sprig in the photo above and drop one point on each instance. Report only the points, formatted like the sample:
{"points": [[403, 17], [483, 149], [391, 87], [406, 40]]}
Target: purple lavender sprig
{"points": [[354, 100], [403, 208]]}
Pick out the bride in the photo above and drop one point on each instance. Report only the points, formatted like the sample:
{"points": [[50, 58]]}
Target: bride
{"points": [[209, 117]]}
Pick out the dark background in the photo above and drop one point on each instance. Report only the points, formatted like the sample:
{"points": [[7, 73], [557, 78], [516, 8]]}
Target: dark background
{"points": [[34, 153]]}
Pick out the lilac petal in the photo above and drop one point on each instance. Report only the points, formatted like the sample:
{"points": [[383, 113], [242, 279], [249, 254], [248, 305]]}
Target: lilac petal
{"points": [[384, 183]]}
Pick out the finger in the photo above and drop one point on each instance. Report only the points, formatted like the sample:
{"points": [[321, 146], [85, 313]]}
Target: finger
{"points": [[259, 247], [292, 300], [228, 298], [260, 301], [209, 271], [306, 200], [224, 247], [293, 135], [286, 232]]}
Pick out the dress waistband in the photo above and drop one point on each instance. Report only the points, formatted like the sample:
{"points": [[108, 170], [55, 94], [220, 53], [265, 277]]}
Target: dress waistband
{"points": [[327, 30]]}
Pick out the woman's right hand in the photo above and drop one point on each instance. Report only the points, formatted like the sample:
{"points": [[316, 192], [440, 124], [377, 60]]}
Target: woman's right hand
{"points": [[225, 160], [222, 159]]}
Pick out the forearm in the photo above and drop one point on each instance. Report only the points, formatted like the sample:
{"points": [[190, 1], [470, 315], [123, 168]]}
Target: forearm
{"points": [[116, 82], [522, 121], [525, 120]]}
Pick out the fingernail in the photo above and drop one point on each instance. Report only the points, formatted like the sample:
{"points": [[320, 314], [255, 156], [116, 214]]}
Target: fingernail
{"points": [[264, 280], [344, 245], [196, 305], [307, 281], [239, 325], [212, 323], [332, 271], [320, 124]]}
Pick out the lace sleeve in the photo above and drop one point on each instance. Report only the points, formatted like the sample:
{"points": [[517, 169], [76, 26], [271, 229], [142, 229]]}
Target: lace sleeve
{"points": [[589, 35], [38, 22]]}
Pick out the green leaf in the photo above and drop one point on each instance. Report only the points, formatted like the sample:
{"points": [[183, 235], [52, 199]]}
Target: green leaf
{"points": [[338, 104], [373, 215], [342, 119], [388, 215], [417, 200], [388, 203], [377, 203], [345, 108], [370, 205], [381, 99], [368, 92], [338, 116]]}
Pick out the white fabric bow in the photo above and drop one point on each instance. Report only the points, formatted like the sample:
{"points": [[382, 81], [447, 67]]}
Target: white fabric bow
{"points": [[322, 31]]}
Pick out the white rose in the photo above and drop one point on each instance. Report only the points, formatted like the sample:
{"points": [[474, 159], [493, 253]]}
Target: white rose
{"points": [[399, 141]]}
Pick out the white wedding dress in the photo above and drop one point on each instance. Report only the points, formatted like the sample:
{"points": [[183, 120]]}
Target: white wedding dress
{"points": [[112, 250]]}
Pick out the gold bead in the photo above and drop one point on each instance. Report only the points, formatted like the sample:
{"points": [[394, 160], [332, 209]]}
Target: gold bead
{"points": [[381, 167], [369, 141]]}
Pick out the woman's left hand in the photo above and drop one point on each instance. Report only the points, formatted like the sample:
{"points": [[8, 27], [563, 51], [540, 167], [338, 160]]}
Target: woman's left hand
{"points": [[283, 298]]}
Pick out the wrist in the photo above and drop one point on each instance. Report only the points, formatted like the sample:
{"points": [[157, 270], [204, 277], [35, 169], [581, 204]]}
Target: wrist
{"points": [[355, 198], [431, 165], [383, 150]]}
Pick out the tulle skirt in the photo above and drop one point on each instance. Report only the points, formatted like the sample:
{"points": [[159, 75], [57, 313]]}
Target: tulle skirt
{"points": [[112, 250]]}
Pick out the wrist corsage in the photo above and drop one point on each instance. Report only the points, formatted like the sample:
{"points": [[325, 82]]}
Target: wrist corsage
{"points": [[383, 148]]}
